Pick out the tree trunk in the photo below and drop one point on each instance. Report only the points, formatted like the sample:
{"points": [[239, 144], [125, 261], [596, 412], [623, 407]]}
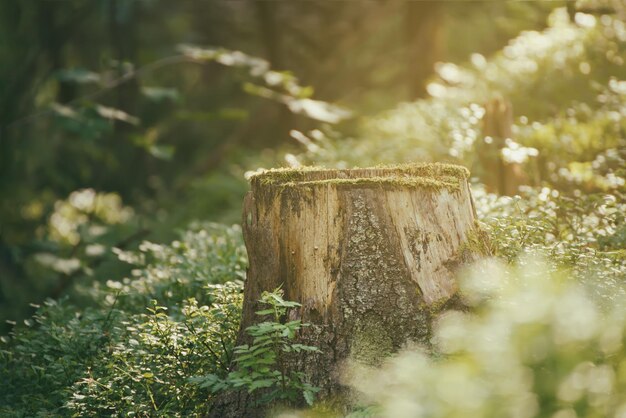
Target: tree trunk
{"points": [[369, 253], [424, 42], [499, 176]]}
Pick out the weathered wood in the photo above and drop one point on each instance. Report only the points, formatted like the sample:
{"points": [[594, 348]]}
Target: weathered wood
{"points": [[369, 253]]}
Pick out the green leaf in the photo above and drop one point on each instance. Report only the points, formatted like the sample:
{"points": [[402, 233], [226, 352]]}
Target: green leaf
{"points": [[116, 114], [257, 384], [160, 94], [265, 312], [244, 357], [78, 75], [162, 152], [309, 397], [258, 351]]}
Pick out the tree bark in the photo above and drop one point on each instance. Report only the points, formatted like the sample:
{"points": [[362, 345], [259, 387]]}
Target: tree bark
{"points": [[369, 253]]}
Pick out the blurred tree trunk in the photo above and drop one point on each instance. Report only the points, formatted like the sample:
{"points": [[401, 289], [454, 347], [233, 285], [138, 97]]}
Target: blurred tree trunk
{"points": [[499, 176], [52, 42], [424, 43], [123, 24], [266, 16]]}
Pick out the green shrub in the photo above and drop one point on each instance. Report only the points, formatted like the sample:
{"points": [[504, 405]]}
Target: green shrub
{"points": [[205, 253], [145, 371], [134, 351], [265, 363]]}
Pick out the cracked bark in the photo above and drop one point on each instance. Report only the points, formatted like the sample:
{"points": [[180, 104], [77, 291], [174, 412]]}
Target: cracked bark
{"points": [[369, 253]]}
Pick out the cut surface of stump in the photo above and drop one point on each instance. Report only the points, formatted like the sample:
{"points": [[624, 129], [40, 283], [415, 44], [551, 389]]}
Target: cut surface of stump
{"points": [[370, 254]]}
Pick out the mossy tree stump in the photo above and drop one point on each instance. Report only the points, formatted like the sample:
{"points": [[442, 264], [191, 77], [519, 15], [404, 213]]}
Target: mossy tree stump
{"points": [[369, 253]]}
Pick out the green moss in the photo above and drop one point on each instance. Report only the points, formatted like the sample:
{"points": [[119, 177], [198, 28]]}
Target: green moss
{"points": [[385, 182], [286, 175], [476, 242], [424, 175], [475, 246], [444, 304], [371, 344]]}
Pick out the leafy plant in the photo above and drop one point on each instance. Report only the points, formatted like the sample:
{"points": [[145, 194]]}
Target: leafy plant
{"points": [[267, 363], [579, 232], [172, 273], [146, 369], [133, 352]]}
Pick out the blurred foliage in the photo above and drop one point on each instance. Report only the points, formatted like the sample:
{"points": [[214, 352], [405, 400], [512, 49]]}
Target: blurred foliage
{"points": [[133, 351], [561, 111], [205, 253], [106, 141], [583, 235], [535, 345], [75, 241]]}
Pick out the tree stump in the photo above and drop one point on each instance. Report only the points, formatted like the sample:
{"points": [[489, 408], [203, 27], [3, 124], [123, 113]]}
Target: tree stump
{"points": [[369, 253]]}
